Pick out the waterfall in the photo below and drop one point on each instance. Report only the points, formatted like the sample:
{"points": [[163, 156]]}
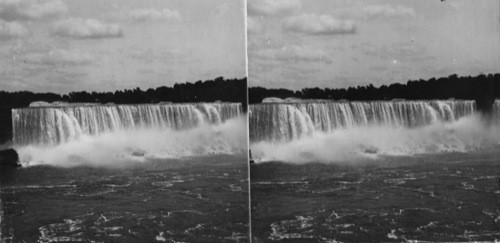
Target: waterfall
{"points": [[57, 125], [289, 121]]}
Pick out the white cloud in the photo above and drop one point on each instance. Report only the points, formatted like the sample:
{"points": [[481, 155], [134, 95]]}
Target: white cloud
{"points": [[273, 7], [10, 30], [319, 25], [60, 57], [12, 10], [388, 11], [86, 29], [152, 14]]}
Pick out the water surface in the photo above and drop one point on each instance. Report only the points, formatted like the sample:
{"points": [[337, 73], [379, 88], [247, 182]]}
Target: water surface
{"points": [[190, 199]]}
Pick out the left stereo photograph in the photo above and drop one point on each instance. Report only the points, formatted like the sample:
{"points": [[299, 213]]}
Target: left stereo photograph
{"points": [[123, 121]]}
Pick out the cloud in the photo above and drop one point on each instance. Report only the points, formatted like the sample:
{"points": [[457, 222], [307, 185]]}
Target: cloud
{"points": [[86, 29], [11, 30], [388, 11], [292, 53], [319, 25], [273, 7], [17, 10], [152, 14], [253, 26], [60, 57]]}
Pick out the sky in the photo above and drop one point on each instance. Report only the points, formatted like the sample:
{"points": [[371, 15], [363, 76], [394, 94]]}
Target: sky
{"points": [[105, 45], [341, 43]]}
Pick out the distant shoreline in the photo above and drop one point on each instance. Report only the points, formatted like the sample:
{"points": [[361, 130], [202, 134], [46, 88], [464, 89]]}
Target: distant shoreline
{"points": [[218, 89], [451, 87]]}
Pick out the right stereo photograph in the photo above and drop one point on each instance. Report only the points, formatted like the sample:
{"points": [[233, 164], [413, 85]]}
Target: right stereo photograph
{"points": [[374, 121]]}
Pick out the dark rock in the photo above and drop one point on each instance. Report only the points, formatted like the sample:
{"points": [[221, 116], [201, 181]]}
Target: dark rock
{"points": [[9, 159], [5, 125], [370, 151], [250, 159], [138, 153], [485, 104]]}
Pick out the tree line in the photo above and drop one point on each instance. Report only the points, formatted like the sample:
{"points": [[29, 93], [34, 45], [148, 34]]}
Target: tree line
{"points": [[218, 89], [465, 87]]}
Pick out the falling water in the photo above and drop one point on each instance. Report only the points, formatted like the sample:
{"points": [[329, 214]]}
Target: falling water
{"points": [[282, 122], [57, 125], [344, 131]]}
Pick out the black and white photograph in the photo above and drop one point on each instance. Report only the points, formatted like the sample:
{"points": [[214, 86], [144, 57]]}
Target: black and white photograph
{"points": [[249, 121], [123, 121], [374, 121]]}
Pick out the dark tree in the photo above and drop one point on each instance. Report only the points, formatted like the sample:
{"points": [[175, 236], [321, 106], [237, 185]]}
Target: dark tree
{"points": [[479, 88]]}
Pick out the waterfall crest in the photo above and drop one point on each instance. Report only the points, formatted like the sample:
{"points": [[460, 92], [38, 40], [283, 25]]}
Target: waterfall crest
{"points": [[289, 121], [56, 125]]}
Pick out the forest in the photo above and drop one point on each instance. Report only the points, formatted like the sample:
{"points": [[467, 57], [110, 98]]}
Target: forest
{"points": [[465, 87]]}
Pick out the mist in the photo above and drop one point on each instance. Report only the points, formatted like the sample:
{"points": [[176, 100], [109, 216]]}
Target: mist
{"points": [[134, 146], [347, 145]]}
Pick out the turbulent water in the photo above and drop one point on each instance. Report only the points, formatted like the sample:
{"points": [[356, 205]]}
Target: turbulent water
{"points": [[118, 135], [325, 131], [449, 197], [203, 199], [127, 173], [402, 171]]}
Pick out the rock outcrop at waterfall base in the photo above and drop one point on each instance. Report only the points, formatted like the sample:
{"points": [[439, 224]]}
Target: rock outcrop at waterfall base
{"points": [[9, 159]]}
